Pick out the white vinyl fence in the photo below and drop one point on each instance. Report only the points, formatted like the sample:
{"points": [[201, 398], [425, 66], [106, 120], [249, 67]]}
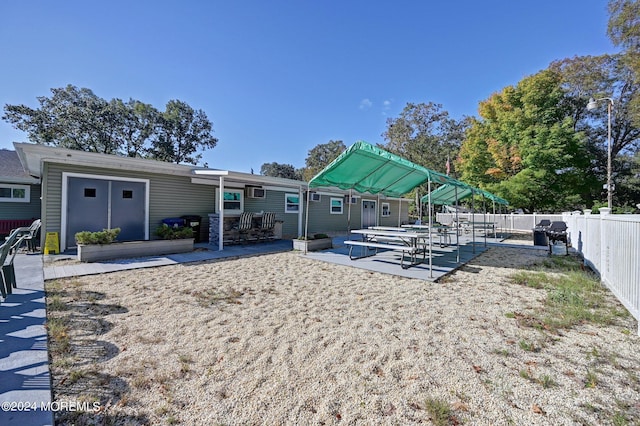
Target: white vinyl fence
{"points": [[505, 222], [610, 245]]}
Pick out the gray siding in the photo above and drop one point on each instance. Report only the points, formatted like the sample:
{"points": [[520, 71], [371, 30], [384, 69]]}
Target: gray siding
{"points": [[322, 221], [175, 196], [30, 210], [169, 196], [274, 202]]}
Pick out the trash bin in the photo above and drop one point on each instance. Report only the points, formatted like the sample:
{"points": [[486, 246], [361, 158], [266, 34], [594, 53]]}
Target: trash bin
{"points": [[173, 222], [540, 237], [193, 222]]}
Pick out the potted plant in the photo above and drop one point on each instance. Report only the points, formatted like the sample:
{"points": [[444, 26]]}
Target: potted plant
{"points": [[312, 242], [102, 245]]}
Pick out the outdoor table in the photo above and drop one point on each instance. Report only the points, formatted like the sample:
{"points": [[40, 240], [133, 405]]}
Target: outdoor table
{"points": [[406, 241]]}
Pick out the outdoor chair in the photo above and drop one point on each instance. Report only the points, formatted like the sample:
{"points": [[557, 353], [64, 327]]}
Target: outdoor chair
{"points": [[557, 231], [245, 226], [7, 275], [30, 233], [267, 225]]}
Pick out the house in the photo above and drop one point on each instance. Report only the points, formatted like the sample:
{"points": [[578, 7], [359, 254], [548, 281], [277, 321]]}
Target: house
{"points": [[19, 194], [84, 191]]}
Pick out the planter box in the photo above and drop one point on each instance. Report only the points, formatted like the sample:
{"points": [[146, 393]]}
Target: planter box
{"points": [[129, 249], [312, 245]]}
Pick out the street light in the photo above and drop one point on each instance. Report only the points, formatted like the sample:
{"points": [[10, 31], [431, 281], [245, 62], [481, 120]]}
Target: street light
{"points": [[593, 103]]}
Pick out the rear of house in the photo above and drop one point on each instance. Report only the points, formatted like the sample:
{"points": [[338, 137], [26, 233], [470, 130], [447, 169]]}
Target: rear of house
{"points": [[84, 191]]}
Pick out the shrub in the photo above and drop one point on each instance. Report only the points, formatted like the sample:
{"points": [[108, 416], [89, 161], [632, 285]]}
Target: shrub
{"points": [[167, 232], [105, 236]]}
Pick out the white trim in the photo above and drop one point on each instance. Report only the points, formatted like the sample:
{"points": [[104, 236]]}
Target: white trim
{"points": [[341, 205], [234, 212], [382, 209], [286, 211], [65, 200], [27, 193]]}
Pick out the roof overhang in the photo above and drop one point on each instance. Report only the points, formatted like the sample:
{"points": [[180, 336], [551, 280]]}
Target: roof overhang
{"points": [[33, 156]]}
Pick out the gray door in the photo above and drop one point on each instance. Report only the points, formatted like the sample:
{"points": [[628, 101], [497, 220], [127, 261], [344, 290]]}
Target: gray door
{"points": [[368, 213], [87, 206], [96, 204], [127, 209]]}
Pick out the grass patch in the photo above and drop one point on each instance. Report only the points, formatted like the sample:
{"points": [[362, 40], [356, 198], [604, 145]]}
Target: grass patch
{"points": [[439, 411], [591, 379], [574, 296], [55, 303], [213, 296], [58, 329]]}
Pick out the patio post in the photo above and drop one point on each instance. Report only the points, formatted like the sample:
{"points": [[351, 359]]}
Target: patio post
{"points": [[221, 215]]}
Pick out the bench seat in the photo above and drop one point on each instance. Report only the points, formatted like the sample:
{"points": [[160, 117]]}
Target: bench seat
{"points": [[373, 245]]}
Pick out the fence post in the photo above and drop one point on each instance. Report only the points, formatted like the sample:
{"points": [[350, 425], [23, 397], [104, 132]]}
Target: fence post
{"points": [[604, 211]]}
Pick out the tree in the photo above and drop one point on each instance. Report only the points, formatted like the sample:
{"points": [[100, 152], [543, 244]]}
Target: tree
{"points": [[624, 31], [182, 131], [425, 135], [606, 76], [320, 156], [286, 171], [78, 119], [72, 118], [524, 147], [139, 125]]}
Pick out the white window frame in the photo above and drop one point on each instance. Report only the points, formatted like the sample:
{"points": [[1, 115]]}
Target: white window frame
{"points": [[386, 210], [12, 199], [339, 200], [288, 206], [231, 212]]}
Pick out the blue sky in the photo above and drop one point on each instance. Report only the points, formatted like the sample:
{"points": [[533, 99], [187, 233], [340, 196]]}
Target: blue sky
{"points": [[278, 77]]}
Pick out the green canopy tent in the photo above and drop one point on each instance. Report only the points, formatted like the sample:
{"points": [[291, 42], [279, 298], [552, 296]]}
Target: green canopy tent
{"points": [[450, 195], [368, 169]]}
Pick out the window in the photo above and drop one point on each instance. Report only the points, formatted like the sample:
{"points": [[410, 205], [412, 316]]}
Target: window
{"points": [[232, 200], [336, 205], [127, 193], [291, 203], [386, 210], [15, 193], [90, 193]]}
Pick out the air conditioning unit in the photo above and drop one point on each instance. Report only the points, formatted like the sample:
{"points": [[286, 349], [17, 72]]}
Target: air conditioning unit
{"points": [[255, 192], [315, 196]]}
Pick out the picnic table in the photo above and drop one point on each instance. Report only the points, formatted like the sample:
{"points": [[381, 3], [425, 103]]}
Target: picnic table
{"points": [[411, 242], [444, 232]]}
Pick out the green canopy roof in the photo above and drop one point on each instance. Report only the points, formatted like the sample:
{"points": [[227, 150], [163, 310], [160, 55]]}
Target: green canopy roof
{"points": [[366, 168], [448, 194]]}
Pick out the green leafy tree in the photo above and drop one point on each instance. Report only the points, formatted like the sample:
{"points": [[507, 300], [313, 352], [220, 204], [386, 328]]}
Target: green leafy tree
{"points": [[286, 171], [524, 147], [624, 31], [606, 76], [78, 119], [139, 126], [71, 118], [320, 156], [182, 132], [425, 135]]}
